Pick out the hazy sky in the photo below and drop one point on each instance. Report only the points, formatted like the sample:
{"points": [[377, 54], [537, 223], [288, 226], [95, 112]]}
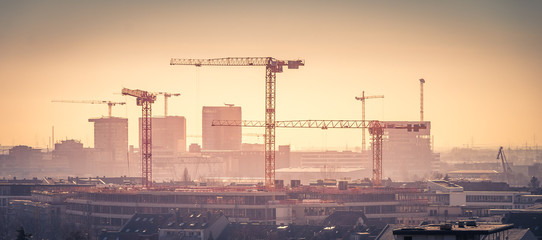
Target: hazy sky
{"points": [[482, 61]]}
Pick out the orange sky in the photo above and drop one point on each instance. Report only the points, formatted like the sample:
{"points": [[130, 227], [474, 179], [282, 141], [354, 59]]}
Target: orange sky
{"points": [[481, 62]]}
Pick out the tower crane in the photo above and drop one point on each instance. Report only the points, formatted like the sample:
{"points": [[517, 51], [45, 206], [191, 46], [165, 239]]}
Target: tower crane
{"points": [[376, 129], [109, 103], [272, 67], [145, 100], [362, 99], [505, 167], [166, 96]]}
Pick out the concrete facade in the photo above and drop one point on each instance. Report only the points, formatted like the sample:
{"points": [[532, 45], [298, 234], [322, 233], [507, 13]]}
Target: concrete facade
{"points": [[221, 138]]}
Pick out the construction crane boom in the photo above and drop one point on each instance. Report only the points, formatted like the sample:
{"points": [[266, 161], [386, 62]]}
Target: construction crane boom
{"points": [[362, 99], [376, 129], [241, 61], [110, 104], [145, 100], [166, 97], [505, 167], [322, 124], [272, 66]]}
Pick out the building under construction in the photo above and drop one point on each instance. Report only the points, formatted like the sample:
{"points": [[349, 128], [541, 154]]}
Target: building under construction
{"points": [[407, 153]]}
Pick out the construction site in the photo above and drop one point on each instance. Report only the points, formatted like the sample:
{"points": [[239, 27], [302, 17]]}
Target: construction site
{"points": [[251, 183], [215, 120], [258, 184]]}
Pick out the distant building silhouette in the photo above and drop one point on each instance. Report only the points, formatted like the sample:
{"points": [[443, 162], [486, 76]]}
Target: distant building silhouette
{"points": [[111, 144], [70, 154], [168, 134], [221, 138]]}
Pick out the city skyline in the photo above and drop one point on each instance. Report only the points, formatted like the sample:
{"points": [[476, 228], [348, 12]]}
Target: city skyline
{"points": [[480, 60]]}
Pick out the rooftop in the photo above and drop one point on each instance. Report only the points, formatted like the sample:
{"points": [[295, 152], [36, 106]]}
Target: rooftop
{"points": [[453, 229], [473, 172], [316, 170], [445, 183]]}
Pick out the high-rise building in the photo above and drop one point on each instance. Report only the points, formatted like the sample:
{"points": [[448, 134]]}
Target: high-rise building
{"points": [[111, 144], [406, 152], [168, 134], [221, 138]]}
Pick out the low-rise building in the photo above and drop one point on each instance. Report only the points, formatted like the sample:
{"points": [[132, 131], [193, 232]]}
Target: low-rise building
{"points": [[462, 230], [196, 226]]}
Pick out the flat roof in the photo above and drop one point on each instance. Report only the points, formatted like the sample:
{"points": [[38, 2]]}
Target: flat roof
{"points": [[445, 184], [456, 230], [317, 170], [473, 172]]}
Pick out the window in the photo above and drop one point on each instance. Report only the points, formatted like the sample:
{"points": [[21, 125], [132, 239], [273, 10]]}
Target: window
{"points": [[407, 238]]}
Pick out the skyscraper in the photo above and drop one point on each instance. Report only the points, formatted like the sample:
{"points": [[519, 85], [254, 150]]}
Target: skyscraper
{"points": [[221, 138]]}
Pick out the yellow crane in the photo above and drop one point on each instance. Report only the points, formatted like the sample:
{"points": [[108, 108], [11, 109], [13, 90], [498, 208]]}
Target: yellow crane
{"points": [[362, 99], [166, 96], [110, 104]]}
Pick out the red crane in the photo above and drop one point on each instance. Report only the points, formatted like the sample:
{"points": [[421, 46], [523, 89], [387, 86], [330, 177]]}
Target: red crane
{"points": [[376, 129], [145, 100], [272, 67]]}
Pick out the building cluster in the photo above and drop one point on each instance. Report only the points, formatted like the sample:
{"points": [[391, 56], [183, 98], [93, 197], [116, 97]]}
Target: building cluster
{"points": [[110, 208], [407, 154], [214, 191]]}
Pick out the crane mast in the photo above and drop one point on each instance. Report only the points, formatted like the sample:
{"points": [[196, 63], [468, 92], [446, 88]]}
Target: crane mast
{"points": [[272, 67], [145, 100], [362, 99]]}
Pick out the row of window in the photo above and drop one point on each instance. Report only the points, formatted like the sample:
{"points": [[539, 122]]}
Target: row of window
{"points": [[256, 214], [488, 198], [186, 199]]}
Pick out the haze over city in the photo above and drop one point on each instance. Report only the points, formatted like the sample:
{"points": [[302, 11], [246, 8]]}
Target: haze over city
{"points": [[108, 127], [481, 61]]}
